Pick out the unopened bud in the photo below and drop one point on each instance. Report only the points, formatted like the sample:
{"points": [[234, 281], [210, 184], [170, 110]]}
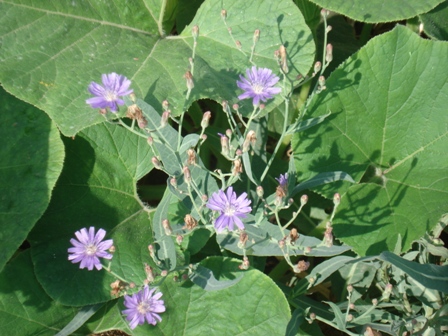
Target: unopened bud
{"points": [[328, 237], [293, 235], [225, 106], [336, 199], [152, 252], [189, 78], [245, 264], [351, 306], [150, 140], [203, 137], [251, 138], [235, 107], [173, 182], [281, 244], [329, 29], [165, 105], [112, 249], [301, 266], [375, 302], [283, 59], [321, 82], [303, 200], [132, 285], [165, 118], [329, 53], [206, 119], [142, 123], [133, 97], [149, 273], [195, 32], [237, 167], [179, 239], [317, 67], [311, 280], [243, 239], [238, 152], [324, 12], [190, 222], [223, 14], [164, 273], [204, 198], [256, 35], [187, 175], [349, 318], [191, 156], [238, 45], [312, 316], [260, 191], [387, 292], [167, 227], [156, 163], [349, 288], [225, 147], [103, 111]]}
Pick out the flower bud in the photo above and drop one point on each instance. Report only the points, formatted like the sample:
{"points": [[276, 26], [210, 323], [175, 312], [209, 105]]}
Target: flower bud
{"points": [[236, 107], [349, 288], [375, 302], [283, 59], [351, 306], [301, 266], [260, 191], [190, 222], [317, 67], [349, 318], [187, 175], [156, 163], [206, 119], [238, 44], [312, 316], [328, 237], [179, 239], [324, 12], [173, 182], [307, 250], [336, 199], [164, 273], [245, 264], [165, 105], [281, 244], [303, 200], [142, 123], [150, 140], [165, 118], [167, 227], [112, 249], [329, 29], [321, 81], [195, 32], [251, 138], [189, 78], [223, 14], [387, 292], [329, 53], [243, 239], [293, 235], [191, 156], [225, 146], [225, 106], [149, 273], [256, 35], [204, 198]]}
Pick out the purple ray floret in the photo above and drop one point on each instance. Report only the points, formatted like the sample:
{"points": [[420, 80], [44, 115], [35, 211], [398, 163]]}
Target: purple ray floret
{"points": [[144, 305], [108, 95], [258, 85], [283, 180], [89, 248], [231, 209]]}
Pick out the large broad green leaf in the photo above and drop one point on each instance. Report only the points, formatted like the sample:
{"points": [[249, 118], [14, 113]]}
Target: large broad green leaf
{"points": [[31, 155], [97, 188], [435, 22], [388, 130], [191, 310], [379, 10], [25, 308], [51, 52]]}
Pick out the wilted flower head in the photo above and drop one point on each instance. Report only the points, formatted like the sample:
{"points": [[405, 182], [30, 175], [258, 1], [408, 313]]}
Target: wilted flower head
{"points": [[108, 95], [283, 180], [89, 248], [258, 85], [144, 305], [230, 207]]}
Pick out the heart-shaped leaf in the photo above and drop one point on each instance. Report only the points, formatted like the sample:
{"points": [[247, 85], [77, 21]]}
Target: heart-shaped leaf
{"points": [[31, 154], [388, 130], [50, 55]]}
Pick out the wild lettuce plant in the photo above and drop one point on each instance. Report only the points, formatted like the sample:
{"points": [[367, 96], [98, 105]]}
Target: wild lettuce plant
{"points": [[286, 158]]}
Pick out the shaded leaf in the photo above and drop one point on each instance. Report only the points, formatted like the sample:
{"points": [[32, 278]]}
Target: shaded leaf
{"points": [[204, 278], [32, 155], [435, 22]]}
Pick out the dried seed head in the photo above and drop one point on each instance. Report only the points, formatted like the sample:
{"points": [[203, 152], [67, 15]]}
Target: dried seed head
{"points": [[251, 138], [191, 156], [190, 222], [245, 264], [134, 112], [301, 266], [283, 59], [142, 123], [237, 167], [187, 174], [243, 239], [293, 235]]}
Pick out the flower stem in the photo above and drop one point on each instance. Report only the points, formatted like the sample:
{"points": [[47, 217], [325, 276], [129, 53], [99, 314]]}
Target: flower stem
{"points": [[160, 20]]}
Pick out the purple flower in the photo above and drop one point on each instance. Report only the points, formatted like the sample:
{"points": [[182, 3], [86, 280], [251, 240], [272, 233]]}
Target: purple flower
{"points": [[283, 181], [114, 86], [143, 305], [230, 207], [89, 248], [258, 85]]}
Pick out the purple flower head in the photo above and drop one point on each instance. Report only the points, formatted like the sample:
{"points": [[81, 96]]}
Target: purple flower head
{"points": [[143, 305], [283, 181], [108, 95], [258, 84], [230, 207], [89, 248]]}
